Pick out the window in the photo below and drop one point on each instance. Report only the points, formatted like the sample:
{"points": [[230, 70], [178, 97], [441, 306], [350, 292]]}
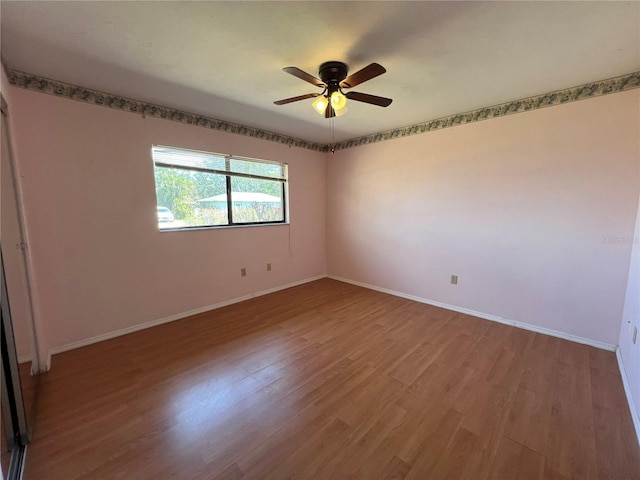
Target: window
{"points": [[199, 189]]}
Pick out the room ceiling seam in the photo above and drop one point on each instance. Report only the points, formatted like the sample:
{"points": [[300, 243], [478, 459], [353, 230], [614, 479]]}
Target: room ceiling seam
{"points": [[73, 92]]}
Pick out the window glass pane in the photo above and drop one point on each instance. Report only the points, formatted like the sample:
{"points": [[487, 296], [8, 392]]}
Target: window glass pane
{"points": [[271, 170], [254, 200], [188, 158], [190, 198], [191, 189]]}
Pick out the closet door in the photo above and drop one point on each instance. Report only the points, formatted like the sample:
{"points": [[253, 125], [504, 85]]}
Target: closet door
{"points": [[14, 423]]}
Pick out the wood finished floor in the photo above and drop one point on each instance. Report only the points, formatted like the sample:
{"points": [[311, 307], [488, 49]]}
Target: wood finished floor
{"points": [[329, 380]]}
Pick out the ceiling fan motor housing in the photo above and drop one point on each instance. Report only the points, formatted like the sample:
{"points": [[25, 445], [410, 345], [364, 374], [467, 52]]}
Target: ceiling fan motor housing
{"points": [[332, 73]]}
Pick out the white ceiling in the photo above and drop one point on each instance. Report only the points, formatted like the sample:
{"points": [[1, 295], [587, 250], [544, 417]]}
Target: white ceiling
{"points": [[225, 59]]}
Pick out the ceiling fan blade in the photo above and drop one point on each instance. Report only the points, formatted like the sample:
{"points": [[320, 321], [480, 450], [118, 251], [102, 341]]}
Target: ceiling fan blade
{"points": [[329, 111], [296, 99], [366, 98], [296, 72], [367, 73]]}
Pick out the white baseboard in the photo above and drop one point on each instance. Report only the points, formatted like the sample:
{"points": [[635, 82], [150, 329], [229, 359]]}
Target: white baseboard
{"points": [[171, 318], [627, 391], [24, 358], [27, 359], [485, 316]]}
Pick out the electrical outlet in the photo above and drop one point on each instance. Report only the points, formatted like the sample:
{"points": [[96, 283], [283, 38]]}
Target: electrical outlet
{"points": [[268, 267], [454, 279], [243, 272]]}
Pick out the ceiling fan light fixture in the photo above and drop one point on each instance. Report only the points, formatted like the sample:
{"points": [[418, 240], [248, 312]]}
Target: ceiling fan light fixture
{"points": [[320, 104], [338, 100], [332, 102]]}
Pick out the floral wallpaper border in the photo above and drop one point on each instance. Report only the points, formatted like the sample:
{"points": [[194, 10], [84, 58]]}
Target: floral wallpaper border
{"points": [[73, 92], [582, 92]]}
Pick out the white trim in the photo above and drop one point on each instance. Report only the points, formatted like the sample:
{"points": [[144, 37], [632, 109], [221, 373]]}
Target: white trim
{"points": [[34, 370], [171, 318], [178, 316], [485, 316], [627, 391], [525, 326], [24, 358]]}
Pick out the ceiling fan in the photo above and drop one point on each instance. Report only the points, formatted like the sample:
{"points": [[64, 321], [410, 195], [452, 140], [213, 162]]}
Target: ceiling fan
{"points": [[333, 78]]}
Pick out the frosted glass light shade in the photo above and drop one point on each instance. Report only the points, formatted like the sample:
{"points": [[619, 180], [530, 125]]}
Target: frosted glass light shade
{"points": [[320, 104], [338, 101]]}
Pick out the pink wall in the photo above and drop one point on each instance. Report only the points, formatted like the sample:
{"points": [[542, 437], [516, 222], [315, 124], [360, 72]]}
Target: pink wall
{"points": [[522, 208], [629, 352], [101, 263]]}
